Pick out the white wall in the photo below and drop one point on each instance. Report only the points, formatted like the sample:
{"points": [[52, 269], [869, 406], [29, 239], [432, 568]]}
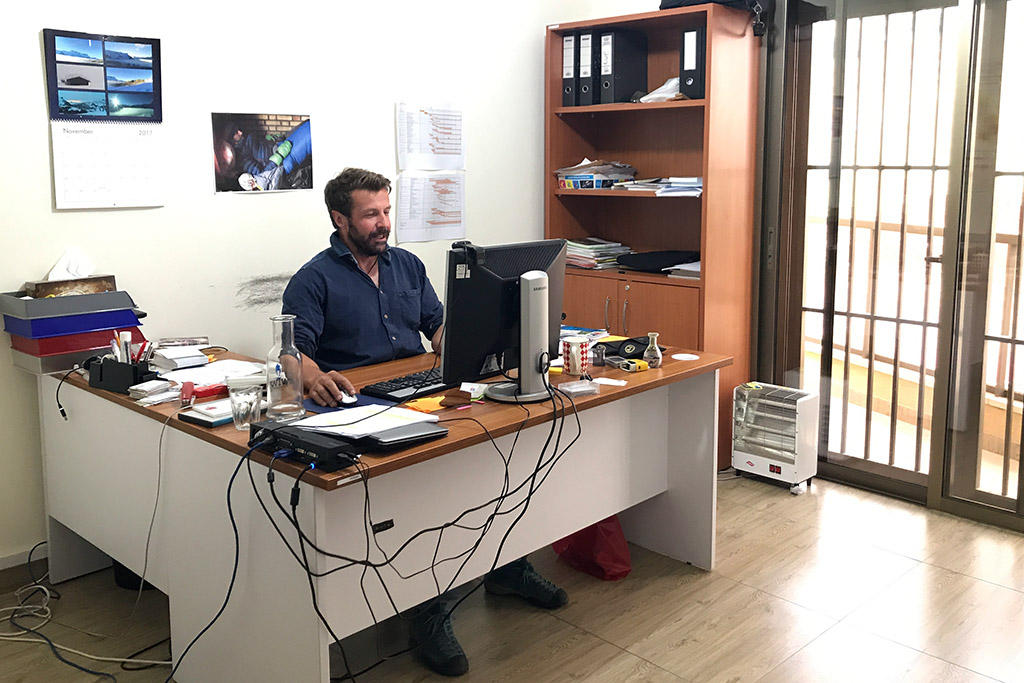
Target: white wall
{"points": [[346, 66]]}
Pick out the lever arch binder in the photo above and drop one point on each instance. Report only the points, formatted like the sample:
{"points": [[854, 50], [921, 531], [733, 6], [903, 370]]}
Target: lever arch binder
{"points": [[623, 65], [570, 76]]}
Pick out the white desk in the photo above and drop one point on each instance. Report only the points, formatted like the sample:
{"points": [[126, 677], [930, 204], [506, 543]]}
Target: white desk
{"points": [[649, 455]]}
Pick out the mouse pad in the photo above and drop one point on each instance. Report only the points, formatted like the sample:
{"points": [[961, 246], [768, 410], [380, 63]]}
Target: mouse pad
{"points": [[311, 406]]}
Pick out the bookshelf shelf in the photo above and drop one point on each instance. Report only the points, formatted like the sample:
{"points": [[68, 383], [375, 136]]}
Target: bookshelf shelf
{"points": [[630, 106], [617, 193]]}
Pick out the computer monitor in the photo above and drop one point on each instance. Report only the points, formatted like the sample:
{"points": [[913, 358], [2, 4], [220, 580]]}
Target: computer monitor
{"points": [[483, 334]]}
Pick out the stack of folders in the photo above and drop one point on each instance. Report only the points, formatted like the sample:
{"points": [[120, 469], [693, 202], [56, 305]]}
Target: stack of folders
{"points": [[672, 186], [177, 357], [594, 253]]}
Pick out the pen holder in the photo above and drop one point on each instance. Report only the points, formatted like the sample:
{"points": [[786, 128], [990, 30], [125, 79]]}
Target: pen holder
{"points": [[114, 376]]}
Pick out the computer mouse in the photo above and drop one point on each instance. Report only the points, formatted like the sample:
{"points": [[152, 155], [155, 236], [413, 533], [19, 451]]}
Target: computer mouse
{"points": [[348, 400]]}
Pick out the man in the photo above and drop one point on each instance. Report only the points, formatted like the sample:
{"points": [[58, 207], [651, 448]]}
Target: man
{"points": [[360, 302]]}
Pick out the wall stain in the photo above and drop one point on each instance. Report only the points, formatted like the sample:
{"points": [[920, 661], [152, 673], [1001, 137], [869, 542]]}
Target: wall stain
{"points": [[259, 292]]}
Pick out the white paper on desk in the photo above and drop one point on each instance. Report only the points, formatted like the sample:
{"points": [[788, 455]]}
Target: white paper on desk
{"points": [[363, 420], [431, 206], [215, 372], [107, 164], [610, 382], [429, 137], [157, 399]]}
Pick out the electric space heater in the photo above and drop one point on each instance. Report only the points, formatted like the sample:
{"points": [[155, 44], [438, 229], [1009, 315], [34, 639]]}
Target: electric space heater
{"points": [[775, 432]]}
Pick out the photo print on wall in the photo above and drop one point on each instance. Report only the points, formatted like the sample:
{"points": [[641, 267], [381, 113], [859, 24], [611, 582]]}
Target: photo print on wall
{"points": [[262, 152], [95, 77]]}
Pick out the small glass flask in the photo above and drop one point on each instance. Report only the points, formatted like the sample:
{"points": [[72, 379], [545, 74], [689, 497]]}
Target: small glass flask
{"points": [[284, 372], [653, 354]]}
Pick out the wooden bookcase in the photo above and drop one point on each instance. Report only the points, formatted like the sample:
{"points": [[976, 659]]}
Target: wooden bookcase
{"points": [[713, 138]]}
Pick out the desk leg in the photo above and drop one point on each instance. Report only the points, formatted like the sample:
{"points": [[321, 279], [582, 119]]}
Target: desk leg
{"points": [[680, 523], [69, 555]]}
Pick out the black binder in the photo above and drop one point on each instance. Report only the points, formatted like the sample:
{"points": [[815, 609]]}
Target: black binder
{"points": [[623, 65], [589, 71], [692, 51], [570, 74]]}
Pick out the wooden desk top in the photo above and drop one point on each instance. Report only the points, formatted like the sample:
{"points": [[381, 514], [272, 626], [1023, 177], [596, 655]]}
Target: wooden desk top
{"points": [[499, 418]]}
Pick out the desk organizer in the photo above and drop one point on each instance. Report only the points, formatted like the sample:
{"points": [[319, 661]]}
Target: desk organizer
{"points": [[12, 303], [114, 376], [36, 328]]}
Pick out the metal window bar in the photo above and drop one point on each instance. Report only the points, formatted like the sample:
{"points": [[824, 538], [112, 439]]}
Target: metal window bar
{"points": [[1010, 400], [1007, 436], [894, 394], [933, 233], [873, 280], [851, 254]]}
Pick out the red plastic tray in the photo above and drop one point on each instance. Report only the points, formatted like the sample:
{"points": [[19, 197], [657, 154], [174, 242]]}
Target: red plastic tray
{"points": [[69, 343]]}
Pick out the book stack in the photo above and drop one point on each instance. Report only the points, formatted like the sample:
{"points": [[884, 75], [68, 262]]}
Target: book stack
{"points": [[594, 253]]}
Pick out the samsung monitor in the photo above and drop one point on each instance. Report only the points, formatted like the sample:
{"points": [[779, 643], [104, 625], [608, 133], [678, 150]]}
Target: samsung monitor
{"points": [[495, 297]]}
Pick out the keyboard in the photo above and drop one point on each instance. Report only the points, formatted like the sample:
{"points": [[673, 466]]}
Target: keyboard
{"points": [[407, 387]]}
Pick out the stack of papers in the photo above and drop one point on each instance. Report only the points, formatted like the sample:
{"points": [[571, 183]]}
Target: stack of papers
{"points": [[216, 372], [688, 270], [590, 333], [360, 421], [174, 357], [672, 186], [593, 175], [153, 386], [594, 253]]}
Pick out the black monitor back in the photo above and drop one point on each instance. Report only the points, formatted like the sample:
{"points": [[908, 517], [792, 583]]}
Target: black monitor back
{"points": [[481, 312]]}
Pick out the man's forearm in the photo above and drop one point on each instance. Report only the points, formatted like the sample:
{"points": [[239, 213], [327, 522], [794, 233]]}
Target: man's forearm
{"points": [[310, 372], [437, 339]]}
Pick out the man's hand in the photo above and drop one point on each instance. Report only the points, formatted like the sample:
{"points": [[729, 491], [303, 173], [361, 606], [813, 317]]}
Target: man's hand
{"points": [[326, 389]]}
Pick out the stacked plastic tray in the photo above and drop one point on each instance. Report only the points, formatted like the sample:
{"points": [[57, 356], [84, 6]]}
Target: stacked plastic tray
{"points": [[53, 334]]}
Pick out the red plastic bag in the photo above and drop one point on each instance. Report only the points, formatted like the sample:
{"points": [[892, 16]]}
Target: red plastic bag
{"points": [[599, 550]]}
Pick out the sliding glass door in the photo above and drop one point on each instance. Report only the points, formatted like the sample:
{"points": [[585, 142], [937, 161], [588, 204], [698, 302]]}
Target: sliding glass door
{"points": [[899, 245], [982, 459], [876, 84]]}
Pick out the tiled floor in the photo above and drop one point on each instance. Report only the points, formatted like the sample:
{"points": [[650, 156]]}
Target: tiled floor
{"points": [[834, 585]]}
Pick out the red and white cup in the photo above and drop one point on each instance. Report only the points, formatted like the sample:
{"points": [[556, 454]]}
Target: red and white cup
{"points": [[575, 355]]}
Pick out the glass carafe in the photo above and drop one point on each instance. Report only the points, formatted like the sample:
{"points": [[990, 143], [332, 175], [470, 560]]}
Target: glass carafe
{"points": [[284, 372], [653, 354]]}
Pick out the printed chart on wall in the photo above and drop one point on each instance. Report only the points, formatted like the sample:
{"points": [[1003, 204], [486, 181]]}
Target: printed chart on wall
{"points": [[431, 206], [105, 106], [429, 137]]}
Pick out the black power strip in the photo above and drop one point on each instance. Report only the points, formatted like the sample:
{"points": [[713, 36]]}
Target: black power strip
{"points": [[328, 453]]}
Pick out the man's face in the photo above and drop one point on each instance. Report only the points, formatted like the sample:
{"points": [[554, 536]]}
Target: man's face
{"points": [[367, 231]]}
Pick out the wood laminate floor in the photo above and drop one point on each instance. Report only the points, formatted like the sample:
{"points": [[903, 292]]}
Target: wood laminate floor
{"points": [[834, 585]]}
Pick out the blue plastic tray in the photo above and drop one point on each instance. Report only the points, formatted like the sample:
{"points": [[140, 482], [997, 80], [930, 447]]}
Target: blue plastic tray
{"points": [[39, 328]]}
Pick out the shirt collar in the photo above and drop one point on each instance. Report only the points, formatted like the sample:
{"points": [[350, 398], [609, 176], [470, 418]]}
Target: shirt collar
{"points": [[341, 249]]}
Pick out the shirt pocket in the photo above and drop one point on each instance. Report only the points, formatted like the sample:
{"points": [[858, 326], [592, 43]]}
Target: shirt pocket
{"points": [[407, 308]]}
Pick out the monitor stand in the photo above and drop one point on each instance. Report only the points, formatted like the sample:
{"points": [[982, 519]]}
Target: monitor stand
{"points": [[532, 385]]}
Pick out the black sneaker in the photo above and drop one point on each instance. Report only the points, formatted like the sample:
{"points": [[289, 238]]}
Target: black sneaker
{"points": [[520, 578], [435, 641]]}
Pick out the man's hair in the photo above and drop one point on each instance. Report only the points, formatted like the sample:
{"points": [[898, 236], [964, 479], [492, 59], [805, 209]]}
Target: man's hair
{"points": [[338, 192]]}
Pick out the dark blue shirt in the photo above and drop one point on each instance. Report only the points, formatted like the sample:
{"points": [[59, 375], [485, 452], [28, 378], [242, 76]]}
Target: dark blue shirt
{"points": [[342, 320]]}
